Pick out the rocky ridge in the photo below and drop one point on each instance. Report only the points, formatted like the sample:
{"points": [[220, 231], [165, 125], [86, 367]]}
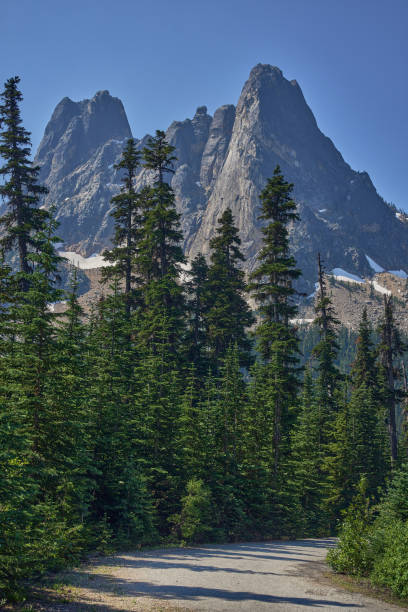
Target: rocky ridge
{"points": [[224, 161]]}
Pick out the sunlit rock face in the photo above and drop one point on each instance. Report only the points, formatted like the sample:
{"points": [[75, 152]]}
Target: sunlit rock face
{"points": [[225, 161]]}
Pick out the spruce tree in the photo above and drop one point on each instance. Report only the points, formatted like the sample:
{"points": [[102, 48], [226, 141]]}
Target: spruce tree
{"points": [[228, 316], [325, 354], [161, 255], [271, 285], [308, 460], [128, 216], [121, 499], [364, 367], [198, 299], [19, 189], [391, 347]]}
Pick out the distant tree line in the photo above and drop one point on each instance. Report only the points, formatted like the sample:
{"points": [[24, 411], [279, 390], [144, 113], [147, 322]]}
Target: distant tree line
{"points": [[173, 412]]}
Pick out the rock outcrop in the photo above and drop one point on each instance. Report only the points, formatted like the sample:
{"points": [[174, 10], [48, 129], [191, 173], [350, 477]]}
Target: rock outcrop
{"points": [[225, 161], [81, 144]]}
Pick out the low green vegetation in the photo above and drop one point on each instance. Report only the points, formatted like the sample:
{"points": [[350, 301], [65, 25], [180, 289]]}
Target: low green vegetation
{"points": [[169, 414], [373, 539]]}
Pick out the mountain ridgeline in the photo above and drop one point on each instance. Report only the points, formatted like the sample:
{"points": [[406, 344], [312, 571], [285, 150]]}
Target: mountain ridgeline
{"points": [[224, 162]]}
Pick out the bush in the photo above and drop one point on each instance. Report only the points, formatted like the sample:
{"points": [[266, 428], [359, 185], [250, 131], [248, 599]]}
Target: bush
{"points": [[378, 548], [195, 523], [353, 554], [391, 568]]}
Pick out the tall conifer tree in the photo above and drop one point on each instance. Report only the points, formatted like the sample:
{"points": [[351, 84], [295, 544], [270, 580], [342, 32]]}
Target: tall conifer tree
{"points": [[391, 348], [272, 288], [20, 189], [228, 315], [161, 254], [128, 216]]}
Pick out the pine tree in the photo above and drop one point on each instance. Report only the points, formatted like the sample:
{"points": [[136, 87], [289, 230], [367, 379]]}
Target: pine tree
{"points": [[128, 216], [20, 190], [272, 289], [228, 315]]}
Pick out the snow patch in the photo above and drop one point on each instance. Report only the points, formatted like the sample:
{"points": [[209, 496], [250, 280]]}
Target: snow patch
{"points": [[373, 265], [322, 209], [399, 273], [85, 263], [343, 275], [380, 289], [198, 183]]}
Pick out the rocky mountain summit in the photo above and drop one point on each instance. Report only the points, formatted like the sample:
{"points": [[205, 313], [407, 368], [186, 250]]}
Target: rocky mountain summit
{"points": [[224, 161]]}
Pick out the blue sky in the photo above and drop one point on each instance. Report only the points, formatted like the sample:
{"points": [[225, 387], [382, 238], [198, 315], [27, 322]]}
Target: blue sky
{"points": [[163, 59]]}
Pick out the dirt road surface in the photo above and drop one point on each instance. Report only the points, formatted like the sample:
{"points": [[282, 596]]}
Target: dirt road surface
{"points": [[234, 577]]}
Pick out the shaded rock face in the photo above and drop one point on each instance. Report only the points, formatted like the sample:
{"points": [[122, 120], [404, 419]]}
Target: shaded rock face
{"points": [[225, 161], [81, 144]]}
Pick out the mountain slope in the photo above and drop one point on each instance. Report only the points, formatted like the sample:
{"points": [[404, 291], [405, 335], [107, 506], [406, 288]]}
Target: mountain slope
{"points": [[224, 161]]}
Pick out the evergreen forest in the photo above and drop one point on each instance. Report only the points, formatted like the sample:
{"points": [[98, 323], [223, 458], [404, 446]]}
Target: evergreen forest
{"points": [[174, 412]]}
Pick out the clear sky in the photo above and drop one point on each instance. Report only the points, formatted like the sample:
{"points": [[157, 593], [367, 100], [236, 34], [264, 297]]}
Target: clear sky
{"points": [[164, 58]]}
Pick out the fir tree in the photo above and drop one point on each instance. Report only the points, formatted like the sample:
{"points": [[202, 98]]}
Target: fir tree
{"points": [[308, 457], [228, 315], [198, 298], [326, 349], [391, 347], [20, 190], [364, 367], [272, 289], [128, 215], [161, 255]]}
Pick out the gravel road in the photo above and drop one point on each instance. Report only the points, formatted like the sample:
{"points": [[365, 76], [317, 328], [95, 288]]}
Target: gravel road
{"points": [[234, 577]]}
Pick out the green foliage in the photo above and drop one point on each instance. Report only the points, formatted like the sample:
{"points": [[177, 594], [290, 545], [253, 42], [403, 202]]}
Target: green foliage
{"points": [[353, 554], [228, 315], [196, 521], [377, 548], [19, 188], [148, 421], [390, 569]]}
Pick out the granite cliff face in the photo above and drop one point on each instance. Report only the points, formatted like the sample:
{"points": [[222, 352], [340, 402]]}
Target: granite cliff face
{"points": [[224, 161], [81, 143]]}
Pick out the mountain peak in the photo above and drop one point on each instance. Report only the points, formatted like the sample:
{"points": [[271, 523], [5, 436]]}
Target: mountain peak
{"points": [[201, 110], [265, 70], [102, 93]]}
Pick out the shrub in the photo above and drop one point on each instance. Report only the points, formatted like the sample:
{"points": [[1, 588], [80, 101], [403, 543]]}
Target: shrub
{"points": [[195, 523], [391, 568]]}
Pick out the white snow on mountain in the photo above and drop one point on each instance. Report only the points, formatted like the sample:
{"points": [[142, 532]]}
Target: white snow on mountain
{"points": [[373, 265], [380, 289], [343, 275], [399, 273], [85, 263]]}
